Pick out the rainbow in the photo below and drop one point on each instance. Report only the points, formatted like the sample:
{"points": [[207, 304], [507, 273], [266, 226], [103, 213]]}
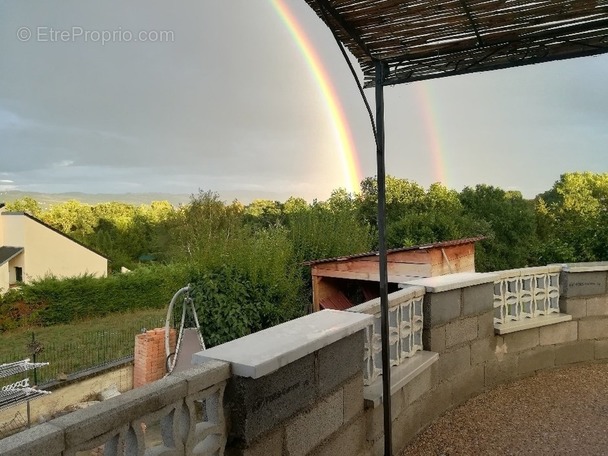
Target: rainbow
{"points": [[348, 153], [431, 127]]}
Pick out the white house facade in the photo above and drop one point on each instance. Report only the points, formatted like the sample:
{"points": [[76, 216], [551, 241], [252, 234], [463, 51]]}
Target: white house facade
{"points": [[30, 249]]}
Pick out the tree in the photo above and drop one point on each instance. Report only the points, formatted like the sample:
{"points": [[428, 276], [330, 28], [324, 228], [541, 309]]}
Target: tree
{"points": [[262, 213], [573, 218], [204, 227], [511, 227], [72, 218], [293, 205], [25, 204], [402, 196]]}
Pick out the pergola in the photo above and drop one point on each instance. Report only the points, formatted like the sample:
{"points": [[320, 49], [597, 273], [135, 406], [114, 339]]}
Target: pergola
{"points": [[401, 41]]}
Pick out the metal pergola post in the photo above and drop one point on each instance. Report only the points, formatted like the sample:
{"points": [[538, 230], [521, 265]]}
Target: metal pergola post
{"points": [[381, 181]]}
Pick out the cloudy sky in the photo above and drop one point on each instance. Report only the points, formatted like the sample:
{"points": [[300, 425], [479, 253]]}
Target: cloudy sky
{"points": [[219, 97]]}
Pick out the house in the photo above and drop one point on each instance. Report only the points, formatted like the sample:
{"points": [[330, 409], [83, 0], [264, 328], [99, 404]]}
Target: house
{"points": [[31, 249], [339, 283]]}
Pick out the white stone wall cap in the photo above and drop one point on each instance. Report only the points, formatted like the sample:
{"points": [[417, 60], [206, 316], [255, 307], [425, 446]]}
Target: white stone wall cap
{"points": [[264, 352], [449, 282], [405, 294], [401, 375], [522, 272], [509, 273], [586, 267], [372, 306], [529, 323]]}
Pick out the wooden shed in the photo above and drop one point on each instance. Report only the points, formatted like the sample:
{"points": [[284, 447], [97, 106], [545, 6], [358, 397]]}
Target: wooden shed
{"points": [[339, 283]]}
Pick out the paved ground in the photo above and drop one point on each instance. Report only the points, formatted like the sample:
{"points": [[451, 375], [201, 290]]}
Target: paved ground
{"points": [[557, 412]]}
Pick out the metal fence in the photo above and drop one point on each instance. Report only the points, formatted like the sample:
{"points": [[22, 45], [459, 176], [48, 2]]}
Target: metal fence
{"points": [[83, 352]]}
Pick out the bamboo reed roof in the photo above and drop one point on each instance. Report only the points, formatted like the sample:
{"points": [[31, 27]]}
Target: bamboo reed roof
{"points": [[420, 40]]}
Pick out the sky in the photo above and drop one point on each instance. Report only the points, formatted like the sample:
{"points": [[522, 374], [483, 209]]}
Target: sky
{"points": [[153, 96]]}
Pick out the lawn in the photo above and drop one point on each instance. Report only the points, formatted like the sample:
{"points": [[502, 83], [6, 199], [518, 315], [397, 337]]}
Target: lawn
{"points": [[80, 345]]}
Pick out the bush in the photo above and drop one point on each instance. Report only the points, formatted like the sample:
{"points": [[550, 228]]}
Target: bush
{"points": [[52, 301], [230, 305]]}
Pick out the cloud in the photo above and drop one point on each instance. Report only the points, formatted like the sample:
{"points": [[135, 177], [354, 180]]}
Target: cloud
{"points": [[210, 110]]}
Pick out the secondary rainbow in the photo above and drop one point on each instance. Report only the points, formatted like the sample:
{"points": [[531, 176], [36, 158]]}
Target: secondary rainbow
{"points": [[431, 127], [348, 152]]}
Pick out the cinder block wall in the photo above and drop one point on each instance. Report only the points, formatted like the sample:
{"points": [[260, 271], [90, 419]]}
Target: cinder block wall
{"points": [[149, 363], [313, 405], [584, 295], [458, 324]]}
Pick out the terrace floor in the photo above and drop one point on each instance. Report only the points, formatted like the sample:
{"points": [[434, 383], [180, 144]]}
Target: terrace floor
{"points": [[557, 412]]}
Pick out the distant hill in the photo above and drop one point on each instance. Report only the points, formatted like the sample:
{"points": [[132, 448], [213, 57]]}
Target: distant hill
{"points": [[48, 199]]}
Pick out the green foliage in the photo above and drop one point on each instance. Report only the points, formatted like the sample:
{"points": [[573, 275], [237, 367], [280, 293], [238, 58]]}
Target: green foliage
{"points": [[246, 262], [402, 197], [510, 227], [328, 230], [52, 301], [203, 228], [231, 304], [262, 213], [120, 231], [25, 204], [573, 218], [72, 218]]}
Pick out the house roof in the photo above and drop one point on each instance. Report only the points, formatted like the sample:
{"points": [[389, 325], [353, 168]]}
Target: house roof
{"points": [[31, 217], [8, 253], [436, 245], [423, 40]]}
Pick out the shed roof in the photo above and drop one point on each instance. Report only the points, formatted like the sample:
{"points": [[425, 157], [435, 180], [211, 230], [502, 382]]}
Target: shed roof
{"points": [[435, 245], [429, 39]]}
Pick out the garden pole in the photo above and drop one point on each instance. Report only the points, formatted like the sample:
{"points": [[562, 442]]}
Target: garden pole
{"points": [[382, 260]]}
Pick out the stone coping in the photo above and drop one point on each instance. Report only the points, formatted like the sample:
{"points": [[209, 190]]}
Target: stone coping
{"points": [[536, 270], [401, 375], [453, 281], [585, 267], [529, 323], [264, 352], [372, 307]]}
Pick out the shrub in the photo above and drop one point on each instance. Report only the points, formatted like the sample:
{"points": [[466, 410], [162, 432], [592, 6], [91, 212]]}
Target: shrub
{"points": [[51, 300]]}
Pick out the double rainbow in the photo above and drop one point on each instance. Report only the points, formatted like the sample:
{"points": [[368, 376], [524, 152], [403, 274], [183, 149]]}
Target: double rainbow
{"points": [[348, 153]]}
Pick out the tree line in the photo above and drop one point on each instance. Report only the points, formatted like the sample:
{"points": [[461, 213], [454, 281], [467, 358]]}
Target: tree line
{"points": [[564, 224], [247, 259]]}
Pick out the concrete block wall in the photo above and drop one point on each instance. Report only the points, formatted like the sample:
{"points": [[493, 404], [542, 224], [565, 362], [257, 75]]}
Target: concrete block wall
{"points": [[584, 295], [149, 362], [312, 405], [119, 424], [459, 326]]}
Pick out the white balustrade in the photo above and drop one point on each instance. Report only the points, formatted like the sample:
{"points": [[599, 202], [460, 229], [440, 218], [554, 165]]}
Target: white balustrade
{"points": [[405, 330], [526, 293], [178, 415]]}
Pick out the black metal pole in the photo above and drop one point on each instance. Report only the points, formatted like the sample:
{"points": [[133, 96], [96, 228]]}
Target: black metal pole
{"points": [[381, 179]]}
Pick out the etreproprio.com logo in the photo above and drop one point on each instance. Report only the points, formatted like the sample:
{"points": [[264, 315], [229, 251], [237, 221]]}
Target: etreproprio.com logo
{"points": [[75, 34]]}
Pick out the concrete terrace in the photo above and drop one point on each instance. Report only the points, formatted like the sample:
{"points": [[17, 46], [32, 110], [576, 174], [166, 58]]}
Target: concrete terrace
{"points": [[311, 386]]}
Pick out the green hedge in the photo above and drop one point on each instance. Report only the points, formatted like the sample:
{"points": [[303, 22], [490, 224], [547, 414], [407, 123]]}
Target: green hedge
{"points": [[231, 304], [232, 299], [52, 301]]}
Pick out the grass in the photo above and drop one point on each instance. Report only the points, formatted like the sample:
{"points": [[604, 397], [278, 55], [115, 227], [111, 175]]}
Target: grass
{"points": [[80, 345]]}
